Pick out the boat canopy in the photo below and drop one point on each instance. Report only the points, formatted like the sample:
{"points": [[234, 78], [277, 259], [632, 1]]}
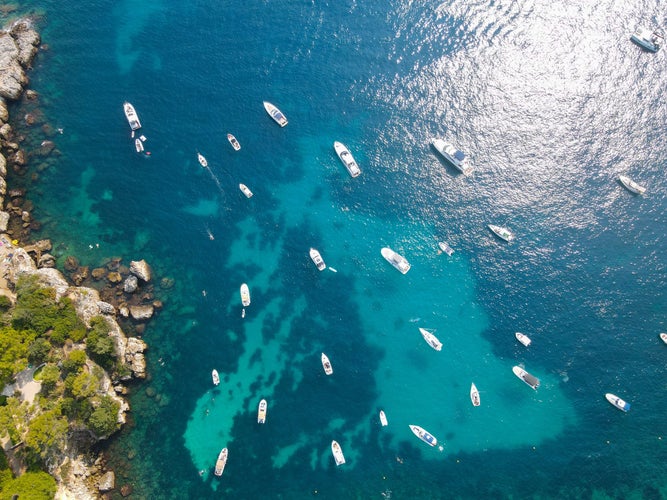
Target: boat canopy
{"points": [[459, 155]]}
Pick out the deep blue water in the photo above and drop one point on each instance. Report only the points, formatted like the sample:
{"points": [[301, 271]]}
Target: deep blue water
{"points": [[552, 102]]}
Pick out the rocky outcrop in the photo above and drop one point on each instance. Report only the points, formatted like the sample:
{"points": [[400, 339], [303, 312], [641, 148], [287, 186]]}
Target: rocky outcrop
{"points": [[18, 47], [141, 270]]}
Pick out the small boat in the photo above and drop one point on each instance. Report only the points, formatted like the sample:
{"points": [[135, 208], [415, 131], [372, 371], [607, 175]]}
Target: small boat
{"points": [[431, 339], [347, 159], [245, 190], [452, 155], [210, 234], [245, 295], [502, 232], [533, 382], [524, 339], [337, 453], [663, 337], [396, 260], [474, 395], [275, 113], [131, 115], [261, 412], [139, 145], [221, 462], [216, 377], [617, 402], [383, 419], [424, 435], [317, 259], [232, 140], [326, 364], [631, 185], [445, 248], [651, 41], [202, 160]]}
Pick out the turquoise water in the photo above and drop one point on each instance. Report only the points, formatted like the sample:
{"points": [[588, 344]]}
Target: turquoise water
{"points": [[552, 102]]}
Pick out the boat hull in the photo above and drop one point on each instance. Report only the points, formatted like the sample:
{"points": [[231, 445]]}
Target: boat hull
{"points": [[347, 159], [383, 419], [337, 453], [530, 380], [524, 339], [317, 259], [261, 412], [216, 377], [245, 190], [501, 232], [617, 402], [631, 185], [431, 339], [396, 260], [245, 295], [474, 395], [424, 435], [221, 462], [275, 113], [131, 115], [663, 337], [326, 364], [453, 156]]}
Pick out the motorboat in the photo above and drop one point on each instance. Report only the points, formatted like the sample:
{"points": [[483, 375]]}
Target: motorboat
{"points": [[139, 145], [232, 140], [383, 418], [317, 259], [647, 39], [245, 295], [474, 395], [202, 160], [631, 185], [216, 377], [261, 412], [431, 339], [326, 364], [347, 159], [445, 248], [663, 337], [424, 435], [501, 232], [617, 402], [337, 453], [457, 158], [245, 190], [396, 260], [524, 339], [275, 113], [533, 382], [221, 462], [131, 115]]}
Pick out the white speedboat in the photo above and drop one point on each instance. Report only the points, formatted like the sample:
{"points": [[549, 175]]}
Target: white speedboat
{"points": [[261, 412], [383, 419], [326, 364], [221, 462], [663, 337], [502, 232], [445, 248], [337, 453], [138, 145], [474, 395], [431, 339], [131, 115], [452, 155], [631, 185], [617, 402], [202, 160], [216, 377], [245, 190], [396, 260], [347, 159], [651, 41], [275, 113], [533, 382], [524, 339], [232, 140], [245, 295], [317, 259], [424, 435]]}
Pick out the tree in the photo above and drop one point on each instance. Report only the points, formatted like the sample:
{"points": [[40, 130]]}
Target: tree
{"points": [[50, 378], [84, 385], [104, 419], [46, 431], [39, 350], [75, 361], [13, 354], [31, 485]]}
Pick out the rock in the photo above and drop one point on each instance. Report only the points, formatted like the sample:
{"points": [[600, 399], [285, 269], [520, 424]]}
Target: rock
{"points": [[107, 481], [25, 216], [45, 148], [6, 131], [31, 95], [167, 283], [114, 277], [141, 270], [46, 260], [4, 220], [80, 275], [18, 158], [4, 113], [130, 284], [27, 41], [12, 76], [106, 308], [98, 273], [125, 490], [124, 311], [134, 356], [141, 313], [40, 246]]}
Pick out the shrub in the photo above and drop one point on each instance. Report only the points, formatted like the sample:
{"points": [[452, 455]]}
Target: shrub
{"points": [[38, 351], [76, 359], [46, 431], [50, 378], [5, 303], [31, 485], [104, 419]]}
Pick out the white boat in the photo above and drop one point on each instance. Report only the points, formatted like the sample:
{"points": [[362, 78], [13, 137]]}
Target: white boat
{"points": [[216, 377], [261, 412], [631, 185], [663, 337], [139, 145], [524, 339], [275, 113], [347, 159], [431, 339], [131, 115], [424, 435], [317, 259], [445, 248], [202, 160], [533, 382], [245, 190], [474, 395], [617, 402], [383, 419], [651, 41], [502, 232], [452, 155], [245, 295], [337, 453], [326, 364], [221, 462], [396, 260], [232, 140]]}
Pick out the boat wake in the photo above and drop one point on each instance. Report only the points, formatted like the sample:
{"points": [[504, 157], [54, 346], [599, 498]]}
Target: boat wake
{"points": [[215, 179]]}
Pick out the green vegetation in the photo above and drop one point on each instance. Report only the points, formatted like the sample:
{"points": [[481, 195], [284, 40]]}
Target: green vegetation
{"points": [[31, 485]]}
